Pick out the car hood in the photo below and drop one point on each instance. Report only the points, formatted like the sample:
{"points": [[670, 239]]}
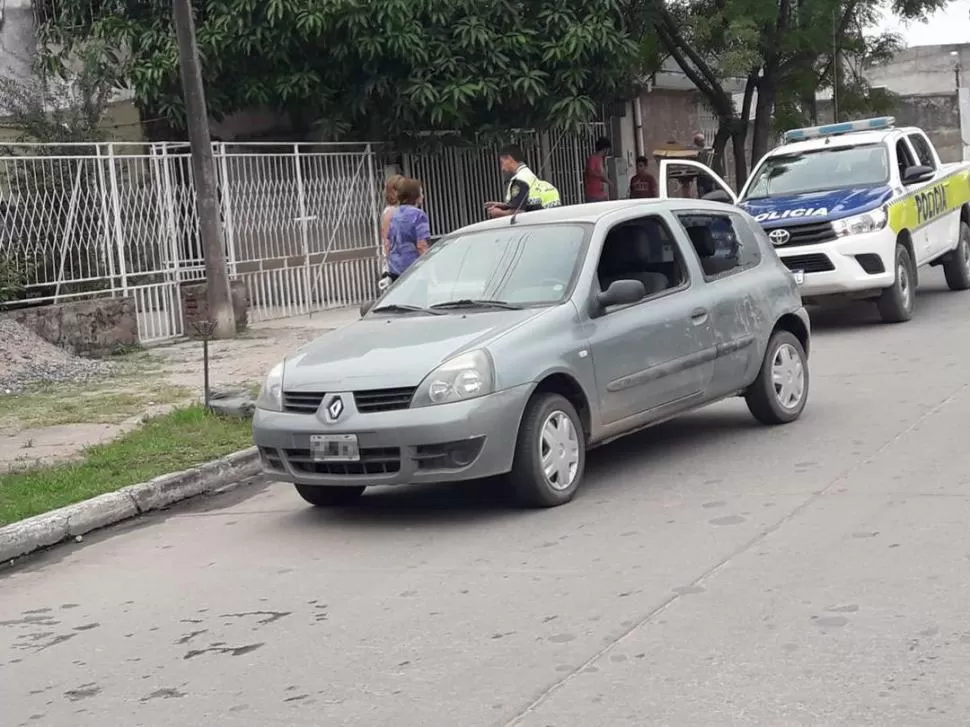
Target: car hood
{"points": [[815, 206], [385, 352]]}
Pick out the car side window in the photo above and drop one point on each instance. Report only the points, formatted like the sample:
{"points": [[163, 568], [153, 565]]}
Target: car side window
{"points": [[642, 249], [723, 243], [904, 159], [923, 152]]}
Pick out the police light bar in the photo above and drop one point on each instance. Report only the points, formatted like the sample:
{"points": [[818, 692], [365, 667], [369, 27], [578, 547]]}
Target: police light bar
{"points": [[847, 127]]}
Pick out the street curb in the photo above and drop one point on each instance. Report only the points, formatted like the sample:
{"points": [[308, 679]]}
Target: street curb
{"points": [[42, 531]]}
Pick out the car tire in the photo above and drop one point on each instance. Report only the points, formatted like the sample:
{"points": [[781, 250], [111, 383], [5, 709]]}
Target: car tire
{"points": [[321, 496], [551, 432], [897, 301], [956, 267], [776, 396]]}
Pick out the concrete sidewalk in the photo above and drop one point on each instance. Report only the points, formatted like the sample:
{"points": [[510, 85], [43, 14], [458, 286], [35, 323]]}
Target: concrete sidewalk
{"points": [[173, 371]]}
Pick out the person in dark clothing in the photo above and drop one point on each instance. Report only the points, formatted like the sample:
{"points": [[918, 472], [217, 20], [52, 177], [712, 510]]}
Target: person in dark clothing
{"points": [[704, 156], [643, 184]]}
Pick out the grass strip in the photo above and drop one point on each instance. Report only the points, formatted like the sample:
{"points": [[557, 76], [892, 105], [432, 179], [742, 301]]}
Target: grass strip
{"points": [[168, 443]]}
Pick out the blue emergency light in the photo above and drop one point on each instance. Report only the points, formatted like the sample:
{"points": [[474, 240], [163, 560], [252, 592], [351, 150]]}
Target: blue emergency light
{"points": [[846, 127]]}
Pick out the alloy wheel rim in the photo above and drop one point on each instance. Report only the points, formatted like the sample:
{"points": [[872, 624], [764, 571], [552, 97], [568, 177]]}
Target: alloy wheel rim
{"points": [[559, 450], [905, 290], [788, 376]]}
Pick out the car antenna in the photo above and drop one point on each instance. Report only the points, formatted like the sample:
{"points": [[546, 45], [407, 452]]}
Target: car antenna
{"points": [[517, 210]]}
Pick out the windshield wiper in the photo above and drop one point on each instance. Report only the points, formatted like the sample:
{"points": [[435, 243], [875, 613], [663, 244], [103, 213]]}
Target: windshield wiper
{"points": [[402, 308], [479, 303]]}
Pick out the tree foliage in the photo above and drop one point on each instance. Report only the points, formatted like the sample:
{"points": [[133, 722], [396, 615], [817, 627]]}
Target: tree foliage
{"points": [[784, 51], [372, 66]]}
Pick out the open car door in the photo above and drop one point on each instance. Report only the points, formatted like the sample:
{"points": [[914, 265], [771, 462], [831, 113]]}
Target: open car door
{"points": [[684, 177]]}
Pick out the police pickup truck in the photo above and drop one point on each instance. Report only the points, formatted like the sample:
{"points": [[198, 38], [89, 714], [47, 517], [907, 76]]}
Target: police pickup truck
{"points": [[856, 209]]}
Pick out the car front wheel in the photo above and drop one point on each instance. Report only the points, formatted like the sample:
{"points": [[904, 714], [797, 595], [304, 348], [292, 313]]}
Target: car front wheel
{"points": [[779, 393], [320, 496], [550, 453], [896, 302]]}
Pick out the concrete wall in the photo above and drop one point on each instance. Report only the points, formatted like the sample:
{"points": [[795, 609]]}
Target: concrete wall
{"points": [[96, 327], [937, 115], [17, 39], [924, 70]]}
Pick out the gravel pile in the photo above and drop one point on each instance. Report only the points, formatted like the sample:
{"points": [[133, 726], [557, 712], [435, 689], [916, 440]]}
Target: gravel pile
{"points": [[27, 359]]}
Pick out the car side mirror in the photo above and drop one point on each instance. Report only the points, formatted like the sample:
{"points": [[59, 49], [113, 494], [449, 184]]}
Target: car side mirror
{"points": [[366, 306], [917, 174], [718, 195], [622, 292]]}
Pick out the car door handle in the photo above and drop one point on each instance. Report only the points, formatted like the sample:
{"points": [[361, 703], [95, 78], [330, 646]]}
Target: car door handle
{"points": [[699, 315]]}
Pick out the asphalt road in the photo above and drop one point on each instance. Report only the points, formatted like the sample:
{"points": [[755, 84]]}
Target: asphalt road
{"points": [[712, 572]]}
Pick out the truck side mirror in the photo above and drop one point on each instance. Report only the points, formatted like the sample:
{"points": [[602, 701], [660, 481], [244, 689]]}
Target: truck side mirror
{"points": [[917, 174]]}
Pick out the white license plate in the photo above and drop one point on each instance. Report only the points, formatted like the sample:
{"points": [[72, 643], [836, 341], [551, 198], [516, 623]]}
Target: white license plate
{"points": [[799, 276], [334, 448]]}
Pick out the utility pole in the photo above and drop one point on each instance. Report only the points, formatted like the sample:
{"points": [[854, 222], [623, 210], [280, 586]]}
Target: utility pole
{"points": [[218, 296], [835, 69]]}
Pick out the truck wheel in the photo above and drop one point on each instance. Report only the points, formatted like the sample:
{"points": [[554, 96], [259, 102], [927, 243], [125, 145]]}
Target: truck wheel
{"points": [[896, 302], [956, 267], [321, 496], [779, 393], [550, 454]]}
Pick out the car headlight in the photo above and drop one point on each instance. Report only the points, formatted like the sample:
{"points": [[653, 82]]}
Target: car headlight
{"points": [[871, 221], [467, 376], [271, 394]]}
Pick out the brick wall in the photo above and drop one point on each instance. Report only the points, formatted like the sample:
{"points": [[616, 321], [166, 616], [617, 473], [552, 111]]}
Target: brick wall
{"points": [[668, 115]]}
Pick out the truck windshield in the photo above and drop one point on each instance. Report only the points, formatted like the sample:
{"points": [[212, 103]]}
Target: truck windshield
{"points": [[820, 170]]}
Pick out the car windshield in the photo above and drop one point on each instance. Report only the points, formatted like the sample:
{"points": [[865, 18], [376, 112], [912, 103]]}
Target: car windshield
{"points": [[820, 170], [514, 266]]}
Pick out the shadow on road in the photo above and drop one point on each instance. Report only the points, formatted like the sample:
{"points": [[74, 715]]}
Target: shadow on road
{"points": [[847, 316], [608, 471]]}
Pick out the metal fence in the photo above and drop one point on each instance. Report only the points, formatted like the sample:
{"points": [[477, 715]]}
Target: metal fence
{"points": [[300, 221], [458, 180]]}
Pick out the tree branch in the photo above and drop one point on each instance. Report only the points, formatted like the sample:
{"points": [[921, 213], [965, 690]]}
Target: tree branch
{"points": [[696, 69]]}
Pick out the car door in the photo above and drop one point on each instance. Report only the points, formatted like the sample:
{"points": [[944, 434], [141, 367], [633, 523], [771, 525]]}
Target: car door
{"points": [[728, 254], [672, 171], [942, 222], [656, 356], [920, 234]]}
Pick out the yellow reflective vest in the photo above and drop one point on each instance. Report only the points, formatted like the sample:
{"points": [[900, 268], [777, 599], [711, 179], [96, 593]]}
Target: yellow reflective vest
{"points": [[542, 194]]}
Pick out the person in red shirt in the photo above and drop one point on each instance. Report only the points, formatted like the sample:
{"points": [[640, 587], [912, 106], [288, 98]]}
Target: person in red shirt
{"points": [[643, 185], [596, 185]]}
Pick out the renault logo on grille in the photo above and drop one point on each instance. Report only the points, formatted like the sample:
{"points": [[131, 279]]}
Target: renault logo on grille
{"points": [[335, 408], [779, 237]]}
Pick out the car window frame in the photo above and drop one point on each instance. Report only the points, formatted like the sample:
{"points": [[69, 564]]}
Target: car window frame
{"points": [[929, 148], [595, 289], [738, 222], [581, 256]]}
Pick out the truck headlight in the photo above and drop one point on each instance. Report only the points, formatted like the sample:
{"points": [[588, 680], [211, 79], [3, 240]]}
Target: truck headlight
{"points": [[466, 376], [871, 221], [271, 393]]}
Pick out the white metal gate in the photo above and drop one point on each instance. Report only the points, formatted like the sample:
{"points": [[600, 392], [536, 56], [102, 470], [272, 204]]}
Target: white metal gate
{"points": [[88, 220], [300, 220]]}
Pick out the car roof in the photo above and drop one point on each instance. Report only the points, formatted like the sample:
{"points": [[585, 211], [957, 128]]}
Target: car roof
{"points": [[594, 212], [841, 141]]}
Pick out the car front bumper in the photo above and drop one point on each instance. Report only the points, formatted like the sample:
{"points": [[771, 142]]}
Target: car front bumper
{"points": [[444, 443], [847, 265]]}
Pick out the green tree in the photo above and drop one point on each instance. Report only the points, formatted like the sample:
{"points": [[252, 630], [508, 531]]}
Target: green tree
{"points": [[371, 67], [783, 50]]}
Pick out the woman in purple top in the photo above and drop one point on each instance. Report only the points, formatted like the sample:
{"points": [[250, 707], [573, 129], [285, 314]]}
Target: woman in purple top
{"points": [[408, 233]]}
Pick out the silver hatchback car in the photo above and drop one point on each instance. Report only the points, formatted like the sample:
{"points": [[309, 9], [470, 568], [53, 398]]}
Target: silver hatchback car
{"points": [[515, 345]]}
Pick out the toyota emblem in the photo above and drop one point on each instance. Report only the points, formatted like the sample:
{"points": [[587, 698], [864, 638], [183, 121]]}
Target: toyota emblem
{"points": [[779, 237], [335, 408]]}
